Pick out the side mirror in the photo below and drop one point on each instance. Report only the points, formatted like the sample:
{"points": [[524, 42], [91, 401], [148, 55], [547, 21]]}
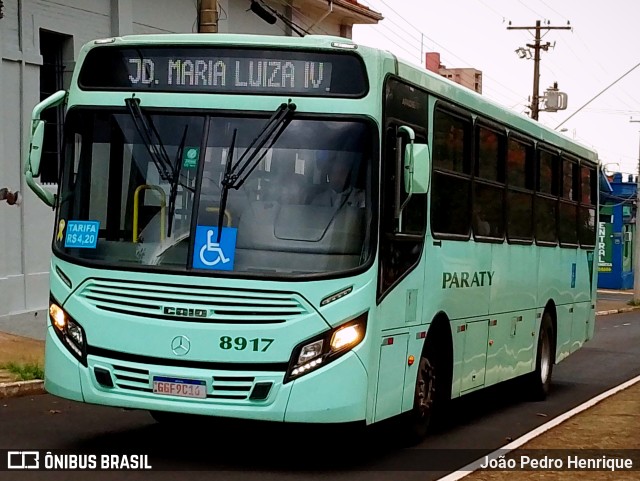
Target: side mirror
{"points": [[403, 163], [35, 149], [408, 168], [416, 164], [32, 167]]}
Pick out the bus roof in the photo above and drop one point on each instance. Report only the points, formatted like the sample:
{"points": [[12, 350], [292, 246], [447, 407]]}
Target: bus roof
{"points": [[308, 41], [433, 82], [471, 100]]}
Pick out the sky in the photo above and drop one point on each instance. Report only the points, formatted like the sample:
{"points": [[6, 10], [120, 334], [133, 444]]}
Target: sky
{"points": [[601, 48]]}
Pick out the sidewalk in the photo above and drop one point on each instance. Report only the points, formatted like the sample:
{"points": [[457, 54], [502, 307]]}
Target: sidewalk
{"points": [[612, 423]]}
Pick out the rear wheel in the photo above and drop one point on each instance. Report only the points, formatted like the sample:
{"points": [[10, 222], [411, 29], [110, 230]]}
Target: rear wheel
{"points": [[538, 383]]}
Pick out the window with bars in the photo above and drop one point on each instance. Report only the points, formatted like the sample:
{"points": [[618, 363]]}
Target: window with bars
{"points": [[53, 47]]}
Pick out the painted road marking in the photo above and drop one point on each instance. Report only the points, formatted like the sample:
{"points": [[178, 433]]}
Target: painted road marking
{"points": [[471, 467]]}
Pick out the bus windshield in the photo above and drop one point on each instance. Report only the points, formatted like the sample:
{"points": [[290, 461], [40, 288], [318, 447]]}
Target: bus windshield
{"points": [[144, 191]]}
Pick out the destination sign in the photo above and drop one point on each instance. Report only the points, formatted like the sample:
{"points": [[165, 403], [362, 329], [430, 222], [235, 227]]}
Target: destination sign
{"points": [[223, 71], [231, 73]]}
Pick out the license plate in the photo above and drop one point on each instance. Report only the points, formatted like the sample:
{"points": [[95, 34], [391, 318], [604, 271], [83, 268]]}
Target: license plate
{"points": [[180, 387]]}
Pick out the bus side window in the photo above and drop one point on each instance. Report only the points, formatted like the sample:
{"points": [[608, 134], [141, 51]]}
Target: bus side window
{"points": [[488, 184], [451, 184], [401, 242], [520, 180], [546, 200]]}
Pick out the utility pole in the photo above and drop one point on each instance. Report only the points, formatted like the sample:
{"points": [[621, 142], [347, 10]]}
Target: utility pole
{"points": [[208, 16], [536, 46], [636, 236]]}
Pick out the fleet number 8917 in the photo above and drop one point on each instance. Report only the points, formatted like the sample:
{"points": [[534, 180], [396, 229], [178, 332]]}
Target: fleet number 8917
{"points": [[242, 343]]}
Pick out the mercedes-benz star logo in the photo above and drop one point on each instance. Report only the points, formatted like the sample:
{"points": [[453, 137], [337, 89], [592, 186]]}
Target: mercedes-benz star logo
{"points": [[180, 345]]}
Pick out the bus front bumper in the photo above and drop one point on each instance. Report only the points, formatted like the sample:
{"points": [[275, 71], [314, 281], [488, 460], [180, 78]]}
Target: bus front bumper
{"points": [[334, 393]]}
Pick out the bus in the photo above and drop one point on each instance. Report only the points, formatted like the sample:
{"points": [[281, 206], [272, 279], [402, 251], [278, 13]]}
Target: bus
{"points": [[305, 230]]}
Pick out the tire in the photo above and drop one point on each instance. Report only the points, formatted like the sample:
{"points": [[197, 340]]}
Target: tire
{"points": [[416, 423], [538, 383]]}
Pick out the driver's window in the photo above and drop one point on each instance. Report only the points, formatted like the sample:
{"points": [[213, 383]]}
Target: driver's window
{"points": [[401, 242]]}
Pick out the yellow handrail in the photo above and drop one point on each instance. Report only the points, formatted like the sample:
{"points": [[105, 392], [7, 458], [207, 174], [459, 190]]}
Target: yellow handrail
{"points": [[227, 215], [163, 204]]}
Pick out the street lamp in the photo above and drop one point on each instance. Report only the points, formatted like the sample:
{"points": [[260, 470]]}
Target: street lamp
{"points": [[523, 52]]}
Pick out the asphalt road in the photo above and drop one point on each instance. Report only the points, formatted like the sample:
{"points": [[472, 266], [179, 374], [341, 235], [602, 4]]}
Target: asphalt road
{"points": [[479, 424]]}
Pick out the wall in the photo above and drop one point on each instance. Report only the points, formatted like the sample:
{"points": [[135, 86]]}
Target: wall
{"points": [[234, 18], [26, 231]]}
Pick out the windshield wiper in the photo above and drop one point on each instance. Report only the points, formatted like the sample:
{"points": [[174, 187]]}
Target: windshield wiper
{"points": [[177, 168], [225, 191], [235, 175], [147, 130], [169, 172]]}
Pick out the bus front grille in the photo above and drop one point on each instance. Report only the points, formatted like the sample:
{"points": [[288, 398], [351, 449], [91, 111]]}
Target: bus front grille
{"points": [[224, 388], [174, 302]]}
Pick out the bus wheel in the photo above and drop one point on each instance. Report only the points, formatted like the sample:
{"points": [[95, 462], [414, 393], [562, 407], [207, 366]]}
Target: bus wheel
{"points": [[538, 382], [417, 421]]}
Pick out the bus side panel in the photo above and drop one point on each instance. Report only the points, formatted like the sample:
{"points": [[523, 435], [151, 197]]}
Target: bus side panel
{"points": [[458, 276], [583, 314], [513, 294], [511, 349], [555, 273], [515, 282], [402, 306], [391, 384]]}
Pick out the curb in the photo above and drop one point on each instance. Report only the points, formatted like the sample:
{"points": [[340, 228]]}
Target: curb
{"points": [[540, 430], [617, 311], [21, 388]]}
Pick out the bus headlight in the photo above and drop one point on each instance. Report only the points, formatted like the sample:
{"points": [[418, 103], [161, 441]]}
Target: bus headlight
{"points": [[326, 347], [346, 336], [69, 331]]}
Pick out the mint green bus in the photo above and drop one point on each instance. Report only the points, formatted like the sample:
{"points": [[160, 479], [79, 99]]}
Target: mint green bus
{"points": [[304, 230]]}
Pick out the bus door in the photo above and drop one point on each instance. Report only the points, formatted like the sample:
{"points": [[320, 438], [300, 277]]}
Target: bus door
{"points": [[401, 265]]}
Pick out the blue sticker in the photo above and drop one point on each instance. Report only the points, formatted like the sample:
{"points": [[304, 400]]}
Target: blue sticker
{"points": [[573, 275], [208, 254], [82, 234]]}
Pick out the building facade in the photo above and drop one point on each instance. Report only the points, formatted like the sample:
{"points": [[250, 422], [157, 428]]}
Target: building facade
{"points": [[469, 77], [616, 232], [39, 42]]}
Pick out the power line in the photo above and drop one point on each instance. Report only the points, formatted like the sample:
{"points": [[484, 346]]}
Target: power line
{"points": [[443, 48], [600, 93], [530, 9], [604, 70], [493, 10], [551, 8]]}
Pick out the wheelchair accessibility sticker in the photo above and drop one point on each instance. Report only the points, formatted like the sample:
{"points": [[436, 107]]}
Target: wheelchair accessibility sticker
{"points": [[209, 254]]}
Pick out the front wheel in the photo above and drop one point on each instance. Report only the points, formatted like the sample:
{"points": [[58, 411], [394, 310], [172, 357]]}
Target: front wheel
{"points": [[538, 383], [417, 421]]}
